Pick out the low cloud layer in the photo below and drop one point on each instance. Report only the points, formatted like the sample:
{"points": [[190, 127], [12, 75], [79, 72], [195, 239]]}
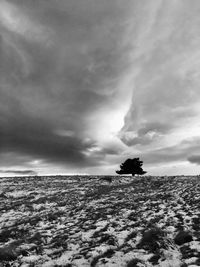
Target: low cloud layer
{"points": [[17, 172], [86, 83]]}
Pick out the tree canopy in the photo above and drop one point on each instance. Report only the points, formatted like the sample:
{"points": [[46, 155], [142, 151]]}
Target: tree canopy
{"points": [[131, 166]]}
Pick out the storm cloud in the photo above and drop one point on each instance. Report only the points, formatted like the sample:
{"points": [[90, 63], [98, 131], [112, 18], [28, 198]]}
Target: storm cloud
{"points": [[61, 63], [85, 83]]}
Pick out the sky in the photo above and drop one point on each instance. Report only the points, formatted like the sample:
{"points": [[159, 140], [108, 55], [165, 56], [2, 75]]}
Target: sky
{"points": [[86, 84]]}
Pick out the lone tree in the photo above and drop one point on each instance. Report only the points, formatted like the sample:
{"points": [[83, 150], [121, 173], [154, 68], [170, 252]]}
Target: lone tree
{"points": [[131, 166]]}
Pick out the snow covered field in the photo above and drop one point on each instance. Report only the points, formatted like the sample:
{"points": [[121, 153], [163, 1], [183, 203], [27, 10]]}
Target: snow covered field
{"points": [[87, 221]]}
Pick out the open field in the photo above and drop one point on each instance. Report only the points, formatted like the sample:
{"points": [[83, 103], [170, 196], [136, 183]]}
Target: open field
{"points": [[87, 221]]}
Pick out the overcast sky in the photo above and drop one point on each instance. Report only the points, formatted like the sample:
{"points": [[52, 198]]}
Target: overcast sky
{"points": [[85, 84]]}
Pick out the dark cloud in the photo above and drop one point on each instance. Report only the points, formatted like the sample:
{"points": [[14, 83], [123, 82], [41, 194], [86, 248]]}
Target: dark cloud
{"points": [[194, 159], [34, 136], [60, 64]]}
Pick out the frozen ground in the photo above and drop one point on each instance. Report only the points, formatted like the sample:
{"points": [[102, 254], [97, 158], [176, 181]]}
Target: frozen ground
{"points": [[87, 221]]}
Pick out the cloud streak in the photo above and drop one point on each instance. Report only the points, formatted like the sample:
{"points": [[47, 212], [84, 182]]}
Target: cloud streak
{"points": [[19, 172]]}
